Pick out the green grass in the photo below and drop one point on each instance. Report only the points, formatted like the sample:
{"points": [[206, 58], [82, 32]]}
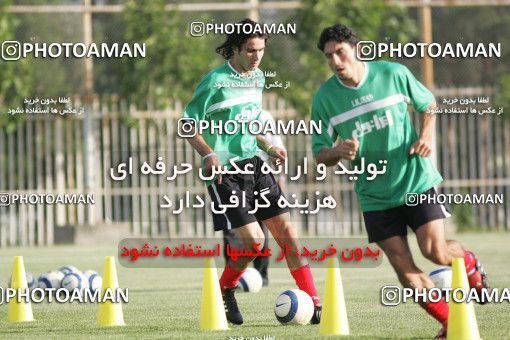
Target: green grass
{"points": [[165, 303]]}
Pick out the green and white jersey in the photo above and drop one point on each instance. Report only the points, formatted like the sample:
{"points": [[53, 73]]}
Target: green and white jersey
{"points": [[226, 95], [375, 113]]}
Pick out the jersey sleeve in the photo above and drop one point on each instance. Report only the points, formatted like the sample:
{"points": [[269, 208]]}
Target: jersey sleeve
{"points": [[327, 135], [421, 98], [201, 100]]}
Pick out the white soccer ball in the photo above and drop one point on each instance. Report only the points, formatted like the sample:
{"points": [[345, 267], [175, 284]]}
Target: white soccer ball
{"points": [[95, 281], [250, 281], [74, 281], [294, 307], [51, 279], [69, 269], [442, 277], [87, 273]]}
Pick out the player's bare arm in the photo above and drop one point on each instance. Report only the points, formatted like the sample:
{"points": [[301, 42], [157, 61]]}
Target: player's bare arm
{"points": [[423, 146], [270, 149], [210, 158], [346, 149]]}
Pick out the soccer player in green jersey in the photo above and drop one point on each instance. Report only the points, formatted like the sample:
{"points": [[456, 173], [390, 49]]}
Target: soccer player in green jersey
{"points": [[233, 92], [364, 106]]}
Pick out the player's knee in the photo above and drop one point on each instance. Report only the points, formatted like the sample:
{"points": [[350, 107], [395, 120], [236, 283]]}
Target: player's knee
{"points": [[252, 239], [437, 255], [288, 232]]}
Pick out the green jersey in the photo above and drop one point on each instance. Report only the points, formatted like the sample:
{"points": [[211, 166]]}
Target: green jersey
{"points": [[226, 95], [375, 113]]}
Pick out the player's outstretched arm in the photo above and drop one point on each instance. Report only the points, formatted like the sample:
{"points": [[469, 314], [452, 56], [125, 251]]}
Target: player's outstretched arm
{"points": [[423, 146]]}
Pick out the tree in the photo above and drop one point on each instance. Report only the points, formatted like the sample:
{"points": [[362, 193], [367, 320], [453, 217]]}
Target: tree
{"points": [[371, 19], [15, 79], [175, 62]]}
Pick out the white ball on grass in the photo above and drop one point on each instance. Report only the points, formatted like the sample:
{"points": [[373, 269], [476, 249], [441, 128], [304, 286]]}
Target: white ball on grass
{"points": [[73, 281], [51, 279], [250, 281], [94, 279], [442, 277], [69, 269], [294, 307]]}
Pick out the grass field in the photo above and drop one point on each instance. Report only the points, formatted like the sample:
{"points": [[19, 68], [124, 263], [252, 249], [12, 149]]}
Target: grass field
{"points": [[165, 303]]}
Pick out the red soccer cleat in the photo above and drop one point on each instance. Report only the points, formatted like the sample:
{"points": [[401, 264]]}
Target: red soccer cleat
{"points": [[477, 276]]}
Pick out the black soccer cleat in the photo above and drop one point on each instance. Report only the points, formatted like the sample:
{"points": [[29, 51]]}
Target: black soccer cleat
{"points": [[231, 310], [317, 312]]}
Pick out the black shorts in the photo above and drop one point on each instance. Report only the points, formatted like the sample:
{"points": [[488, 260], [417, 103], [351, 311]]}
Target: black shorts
{"points": [[247, 185], [383, 224]]}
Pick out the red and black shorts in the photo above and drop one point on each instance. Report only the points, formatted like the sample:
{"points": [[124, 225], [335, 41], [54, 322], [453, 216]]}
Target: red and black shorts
{"points": [[250, 186]]}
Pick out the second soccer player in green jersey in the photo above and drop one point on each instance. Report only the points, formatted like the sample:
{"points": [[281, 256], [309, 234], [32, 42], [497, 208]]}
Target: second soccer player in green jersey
{"points": [[365, 106]]}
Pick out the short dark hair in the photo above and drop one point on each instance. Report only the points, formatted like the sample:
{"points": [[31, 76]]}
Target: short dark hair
{"points": [[238, 38], [338, 33]]}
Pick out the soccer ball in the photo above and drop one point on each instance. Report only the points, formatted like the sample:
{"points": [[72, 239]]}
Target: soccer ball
{"points": [[51, 279], [442, 277], [95, 281], [74, 281], [69, 269], [30, 281], [251, 281], [294, 307]]}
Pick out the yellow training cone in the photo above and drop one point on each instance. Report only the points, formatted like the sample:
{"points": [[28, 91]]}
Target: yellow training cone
{"points": [[110, 313], [462, 323], [19, 311], [212, 312], [334, 314]]}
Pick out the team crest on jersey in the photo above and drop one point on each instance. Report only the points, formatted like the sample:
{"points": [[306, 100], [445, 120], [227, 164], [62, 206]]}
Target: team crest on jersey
{"points": [[248, 114], [376, 123]]}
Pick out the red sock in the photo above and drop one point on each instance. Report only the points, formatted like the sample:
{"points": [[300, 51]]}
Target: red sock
{"points": [[304, 280], [229, 277], [474, 276], [470, 262], [438, 310]]}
